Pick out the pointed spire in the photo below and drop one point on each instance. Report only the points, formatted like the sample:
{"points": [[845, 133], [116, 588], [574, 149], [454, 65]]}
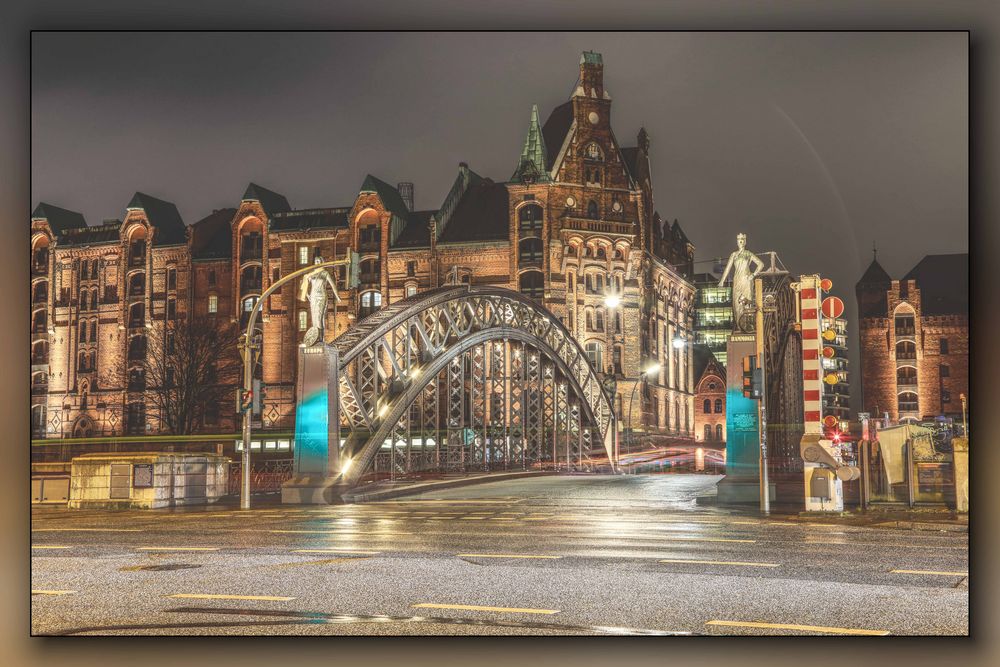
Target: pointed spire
{"points": [[531, 165]]}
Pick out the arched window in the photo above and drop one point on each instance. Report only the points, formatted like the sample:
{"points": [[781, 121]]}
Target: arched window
{"points": [[718, 406], [530, 250], [370, 302], [38, 421], [137, 315], [571, 250], [38, 321], [137, 246], [906, 350], [40, 256], [137, 348], [530, 218], [908, 402], [370, 271], [601, 252], [530, 284], [593, 151], [137, 284], [589, 320], [906, 376], [619, 254], [250, 280], [595, 353], [93, 299], [718, 432], [677, 415], [599, 319], [708, 431], [592, 211], [41, 292], [707, 406], [83, 331], [251, 240], [40, 352]]}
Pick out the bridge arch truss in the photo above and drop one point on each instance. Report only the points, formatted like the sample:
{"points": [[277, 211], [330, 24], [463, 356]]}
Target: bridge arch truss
{"points": [[466, 378]]}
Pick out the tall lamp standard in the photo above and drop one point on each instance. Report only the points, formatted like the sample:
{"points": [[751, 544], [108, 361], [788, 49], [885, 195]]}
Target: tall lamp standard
{"points": [[651, 370], [612, 301]]}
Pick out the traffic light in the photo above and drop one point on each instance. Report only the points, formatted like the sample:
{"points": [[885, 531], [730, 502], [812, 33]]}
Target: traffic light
{"points": [[753, 385], [255, 397]]}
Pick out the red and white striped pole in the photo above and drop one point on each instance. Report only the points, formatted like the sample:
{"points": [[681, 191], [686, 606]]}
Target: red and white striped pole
{"points": [[810, 318]]}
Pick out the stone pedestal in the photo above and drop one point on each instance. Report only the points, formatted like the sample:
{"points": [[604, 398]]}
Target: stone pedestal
{"points": [[317, 475]]}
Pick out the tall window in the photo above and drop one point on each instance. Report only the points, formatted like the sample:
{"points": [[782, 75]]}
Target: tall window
{"points": [[171, 278], [411, 290], [595, 353], [944, 345], [531, 284], [718, 406], [303, 254], [171, 309], [718, 432], [213, 303], [592, 212], [211, 277], [708, 431], [411, 269], [707, 407], [370, 302], [303, 320]]}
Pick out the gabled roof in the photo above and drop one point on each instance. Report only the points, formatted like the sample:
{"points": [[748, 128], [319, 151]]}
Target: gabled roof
{"points": [[555, 129], [306, 219], [211, 237], [678, 233], [59, 219], [703, 358], [389, 195], [875, 275], [416, 233], [163, 216], [482, 214], [270, 201], [629, 157], [944, 284], [532, 165]]}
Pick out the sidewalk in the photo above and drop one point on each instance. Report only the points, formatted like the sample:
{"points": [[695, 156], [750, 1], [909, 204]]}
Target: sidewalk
{"points": [[931, 518]]}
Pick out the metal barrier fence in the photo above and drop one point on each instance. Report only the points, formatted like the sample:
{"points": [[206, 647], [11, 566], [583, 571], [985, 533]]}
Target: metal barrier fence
{"points": [[265, 476]]}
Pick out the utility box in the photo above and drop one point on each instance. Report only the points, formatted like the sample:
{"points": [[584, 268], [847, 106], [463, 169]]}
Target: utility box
{"points": [[819, 485], [146, 480]]}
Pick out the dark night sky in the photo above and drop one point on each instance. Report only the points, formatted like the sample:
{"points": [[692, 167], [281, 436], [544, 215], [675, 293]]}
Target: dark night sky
{"points": [[814, 144]]}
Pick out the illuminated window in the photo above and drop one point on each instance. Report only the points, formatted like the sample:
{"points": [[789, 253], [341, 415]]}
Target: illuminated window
{"points": [[411, 290], [213, 304], [284, 444], [302, 320], [303, 254]]}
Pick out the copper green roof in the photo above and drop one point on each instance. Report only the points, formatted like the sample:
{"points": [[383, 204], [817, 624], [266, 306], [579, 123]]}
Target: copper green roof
{"points": [[532, 166]]}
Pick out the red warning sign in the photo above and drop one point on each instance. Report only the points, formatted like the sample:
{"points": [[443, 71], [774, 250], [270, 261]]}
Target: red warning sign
{"points": [[833, 306]]}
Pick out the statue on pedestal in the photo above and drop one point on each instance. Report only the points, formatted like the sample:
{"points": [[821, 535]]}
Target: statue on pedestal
{"points": [[313, 288], [745, 266]]}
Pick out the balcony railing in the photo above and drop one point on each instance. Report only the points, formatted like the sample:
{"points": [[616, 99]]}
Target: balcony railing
{"points": [[532, 260], [599, 226], [370, 278], [369, 246], [137, 260], [250, 253], [39, 268], [907, 386]]}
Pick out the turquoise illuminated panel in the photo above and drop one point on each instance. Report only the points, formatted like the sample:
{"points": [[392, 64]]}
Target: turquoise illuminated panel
{"points": [[311, 447]]}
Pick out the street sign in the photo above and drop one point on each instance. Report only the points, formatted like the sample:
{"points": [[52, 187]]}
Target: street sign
{"points": [[833, 306], [830, 421], [826, 284], [829, 334], [829, 352]]}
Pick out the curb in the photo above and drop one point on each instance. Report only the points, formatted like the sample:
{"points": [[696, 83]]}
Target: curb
{"points": [[416, 489], [924, 525]]}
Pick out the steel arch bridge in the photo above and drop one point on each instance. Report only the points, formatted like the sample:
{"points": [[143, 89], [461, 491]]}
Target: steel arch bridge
{"points": [[464, 378]]}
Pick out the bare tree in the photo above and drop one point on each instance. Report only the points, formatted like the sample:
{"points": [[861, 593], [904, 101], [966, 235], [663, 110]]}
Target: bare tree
{"points": [[186, 370]]}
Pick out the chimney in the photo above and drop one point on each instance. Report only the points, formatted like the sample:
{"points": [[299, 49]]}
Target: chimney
{"points": [[406, 192]]}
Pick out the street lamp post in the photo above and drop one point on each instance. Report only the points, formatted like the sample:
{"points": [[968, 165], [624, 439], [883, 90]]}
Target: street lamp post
{"points": [[650, 370], [249, 346], [765, 494]]}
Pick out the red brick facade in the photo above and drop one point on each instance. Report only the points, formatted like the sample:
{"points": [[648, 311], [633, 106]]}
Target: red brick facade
{"points": [[574, 224], [914, 336], [710, 405]]}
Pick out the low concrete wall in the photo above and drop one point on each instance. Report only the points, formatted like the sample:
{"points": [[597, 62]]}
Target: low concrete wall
{"points": [[178, 479]]}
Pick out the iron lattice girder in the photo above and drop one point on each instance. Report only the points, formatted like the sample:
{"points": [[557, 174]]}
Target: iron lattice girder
{"points": [[422, 336]]}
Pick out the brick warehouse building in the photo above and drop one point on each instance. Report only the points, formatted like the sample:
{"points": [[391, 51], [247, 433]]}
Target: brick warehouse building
{"points": [[573, 224], [914, 336]]}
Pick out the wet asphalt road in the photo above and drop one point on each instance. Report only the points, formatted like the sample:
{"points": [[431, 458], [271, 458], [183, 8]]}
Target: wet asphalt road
{"points": [[547, 555]]}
